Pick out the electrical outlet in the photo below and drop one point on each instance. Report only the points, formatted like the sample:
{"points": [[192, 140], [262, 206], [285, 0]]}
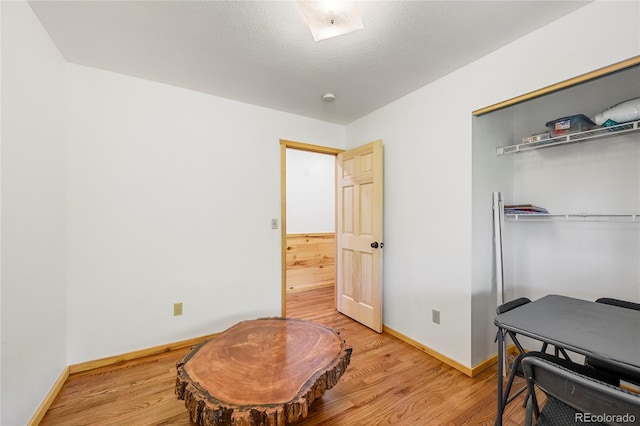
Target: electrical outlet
{"points": [[435, 316], [177, 309]]}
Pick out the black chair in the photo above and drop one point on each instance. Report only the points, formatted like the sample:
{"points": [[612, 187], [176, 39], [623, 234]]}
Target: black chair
{"points": [[574, 396], [516, 368], [626, 375], [620, 303]]}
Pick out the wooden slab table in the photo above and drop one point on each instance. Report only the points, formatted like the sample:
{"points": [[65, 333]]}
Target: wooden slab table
{"points": [[261, 372]]}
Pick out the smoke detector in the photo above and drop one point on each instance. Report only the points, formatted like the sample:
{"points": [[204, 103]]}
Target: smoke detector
{"points": [[329, 97]]}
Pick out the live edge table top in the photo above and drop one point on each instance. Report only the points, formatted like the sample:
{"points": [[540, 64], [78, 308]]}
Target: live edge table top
{"points": [[261, 372]]}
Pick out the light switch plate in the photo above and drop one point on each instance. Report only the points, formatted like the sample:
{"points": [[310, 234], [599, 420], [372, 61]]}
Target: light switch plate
{"points": [[177, 309]]}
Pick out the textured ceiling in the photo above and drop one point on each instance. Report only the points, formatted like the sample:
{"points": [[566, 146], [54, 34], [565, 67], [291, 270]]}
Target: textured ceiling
{"points": [[262, 52]]}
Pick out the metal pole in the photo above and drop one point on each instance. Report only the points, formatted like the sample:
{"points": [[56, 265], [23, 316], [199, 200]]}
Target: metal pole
{"points": [[501, 372], [498, 218]]}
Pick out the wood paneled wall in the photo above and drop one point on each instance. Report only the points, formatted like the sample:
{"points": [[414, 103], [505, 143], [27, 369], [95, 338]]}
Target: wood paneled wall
{"points": [[311, 261]]}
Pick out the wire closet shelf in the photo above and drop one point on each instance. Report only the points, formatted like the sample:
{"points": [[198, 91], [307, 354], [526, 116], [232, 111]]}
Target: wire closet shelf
{"points": [[544, 217], [599, 133]]}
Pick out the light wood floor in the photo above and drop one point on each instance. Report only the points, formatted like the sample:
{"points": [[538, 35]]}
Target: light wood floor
{"points": [[387, 382]]}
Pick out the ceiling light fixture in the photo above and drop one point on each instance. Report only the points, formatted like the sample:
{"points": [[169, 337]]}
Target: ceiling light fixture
{"points": [[330, 18]]}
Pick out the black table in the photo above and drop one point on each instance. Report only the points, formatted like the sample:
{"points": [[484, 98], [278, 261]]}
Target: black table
{"points": [[604, 332]]}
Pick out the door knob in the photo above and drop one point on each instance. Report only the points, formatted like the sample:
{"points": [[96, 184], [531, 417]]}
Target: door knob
{"points": [[374, 244]]}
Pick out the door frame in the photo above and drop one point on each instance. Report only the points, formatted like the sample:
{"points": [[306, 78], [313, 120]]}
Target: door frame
{"points": [[284, 144]]}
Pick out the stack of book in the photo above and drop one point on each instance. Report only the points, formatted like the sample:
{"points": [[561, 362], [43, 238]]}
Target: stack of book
{"points": [[524, 209]]}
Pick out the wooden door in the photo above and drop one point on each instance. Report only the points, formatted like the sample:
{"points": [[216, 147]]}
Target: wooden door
{"points": [[359, 234]]}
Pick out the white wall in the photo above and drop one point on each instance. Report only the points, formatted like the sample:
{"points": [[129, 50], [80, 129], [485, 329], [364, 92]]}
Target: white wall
{"points": [[0, 213], [430, 262], [170, 199], [33, 277], [427, 214], [310, 192]]}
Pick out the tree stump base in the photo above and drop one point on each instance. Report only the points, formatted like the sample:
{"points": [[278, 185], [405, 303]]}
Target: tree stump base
{"points": [[261, 372]]}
